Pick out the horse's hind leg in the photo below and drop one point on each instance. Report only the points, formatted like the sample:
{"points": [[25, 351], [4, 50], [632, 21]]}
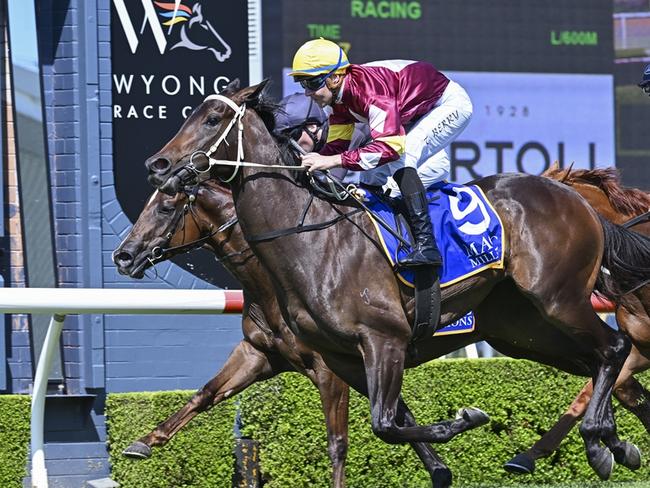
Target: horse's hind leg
{"points": [[635, 398], [604, 349], [524, 462], [245, 366], [598, 422], [629, 392]]}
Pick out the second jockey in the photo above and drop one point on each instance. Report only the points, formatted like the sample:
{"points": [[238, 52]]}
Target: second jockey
{"points": [[413, 112]]}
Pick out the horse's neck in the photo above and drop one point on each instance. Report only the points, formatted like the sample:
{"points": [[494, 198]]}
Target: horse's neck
{"points": [[600, 202], [233, 251], [268, 199]]}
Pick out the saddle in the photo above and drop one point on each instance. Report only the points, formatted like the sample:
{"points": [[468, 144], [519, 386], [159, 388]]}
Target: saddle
{"points": [[469, 233]]}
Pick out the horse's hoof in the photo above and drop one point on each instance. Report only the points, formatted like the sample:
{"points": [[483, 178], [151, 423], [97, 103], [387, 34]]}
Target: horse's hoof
{"points": [[474, 416], [603, 464], [520, 464], [632, 457], [137, 450], [441, 478]]}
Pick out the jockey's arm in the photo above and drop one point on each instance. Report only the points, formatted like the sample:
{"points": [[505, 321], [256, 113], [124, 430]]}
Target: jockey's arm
{"points": [[338, 141], [388, 137]]}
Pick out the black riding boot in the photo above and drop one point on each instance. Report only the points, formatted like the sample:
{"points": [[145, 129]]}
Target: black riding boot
{"points": [[425, 250]]}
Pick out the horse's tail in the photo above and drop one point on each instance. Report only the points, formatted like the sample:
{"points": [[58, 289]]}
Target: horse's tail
{"points": [[626, 261]]}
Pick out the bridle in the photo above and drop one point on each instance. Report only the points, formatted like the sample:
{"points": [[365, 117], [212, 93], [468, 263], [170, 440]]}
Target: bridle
{"points": [[161, 252], [196, 175]]}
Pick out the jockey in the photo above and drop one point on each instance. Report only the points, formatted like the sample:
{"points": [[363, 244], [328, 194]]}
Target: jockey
{"points": [[645, 81], [301, 119], [413, 111]]}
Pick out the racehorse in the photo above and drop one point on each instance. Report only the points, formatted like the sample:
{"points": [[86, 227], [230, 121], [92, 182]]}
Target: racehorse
{"points": [[360, 321], [204, 216], [197, 34], [604, 192]]}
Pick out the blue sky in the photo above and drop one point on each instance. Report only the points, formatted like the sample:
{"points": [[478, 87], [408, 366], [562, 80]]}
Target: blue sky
{"points": [[23, 39]]}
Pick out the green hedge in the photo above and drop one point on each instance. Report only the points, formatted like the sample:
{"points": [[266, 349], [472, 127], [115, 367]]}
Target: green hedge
{"points": [[522, 398], [199, 456], [14, 439]]}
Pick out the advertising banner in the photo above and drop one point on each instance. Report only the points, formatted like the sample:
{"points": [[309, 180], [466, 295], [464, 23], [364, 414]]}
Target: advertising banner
{"points": [[540, 79], [166, 58], [523, 122]]}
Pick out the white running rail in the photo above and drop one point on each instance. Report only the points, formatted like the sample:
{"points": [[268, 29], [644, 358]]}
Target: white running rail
{"points": [[64, 301]]}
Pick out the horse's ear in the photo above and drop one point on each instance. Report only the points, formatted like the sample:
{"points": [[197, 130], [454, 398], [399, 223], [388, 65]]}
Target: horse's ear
{"points": [[231, 88], [552, 169], [252, 94]]}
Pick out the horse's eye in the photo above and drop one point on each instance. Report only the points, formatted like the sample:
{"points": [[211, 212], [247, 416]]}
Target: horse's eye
{"points": [[166, 210], [212, 121]]}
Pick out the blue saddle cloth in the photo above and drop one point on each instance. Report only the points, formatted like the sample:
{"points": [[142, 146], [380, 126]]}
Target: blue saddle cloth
{"points": [[467, 229]]}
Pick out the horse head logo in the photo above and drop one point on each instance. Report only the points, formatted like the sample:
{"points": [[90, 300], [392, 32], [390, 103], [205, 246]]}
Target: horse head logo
{"points": [[196, 32]]}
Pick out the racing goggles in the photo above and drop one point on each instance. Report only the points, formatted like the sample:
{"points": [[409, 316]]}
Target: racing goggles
{"points": [[315, 83], [295, 133]]}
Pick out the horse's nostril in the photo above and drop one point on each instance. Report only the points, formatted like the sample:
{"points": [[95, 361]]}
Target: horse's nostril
{"points": [[159, 165], [123, 259]]}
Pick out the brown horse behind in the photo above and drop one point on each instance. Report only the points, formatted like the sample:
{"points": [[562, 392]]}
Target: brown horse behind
{"points": [[603, 190]]}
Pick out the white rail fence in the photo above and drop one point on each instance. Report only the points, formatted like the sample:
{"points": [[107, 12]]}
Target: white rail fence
{"points": [[60, 302]]}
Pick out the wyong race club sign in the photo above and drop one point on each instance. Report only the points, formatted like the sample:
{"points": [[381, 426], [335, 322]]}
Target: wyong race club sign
{"points": [[166, 57]]}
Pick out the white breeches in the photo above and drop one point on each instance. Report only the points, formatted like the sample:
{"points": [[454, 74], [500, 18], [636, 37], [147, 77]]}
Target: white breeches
{"points": [[427, 143]]}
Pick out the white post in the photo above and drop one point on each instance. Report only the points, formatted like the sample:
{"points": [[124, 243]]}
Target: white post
{"points": [[471, 351], [39, 472], [254, 41]]}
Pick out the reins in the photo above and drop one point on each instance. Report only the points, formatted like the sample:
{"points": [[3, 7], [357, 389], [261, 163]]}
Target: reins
{"points": [[301, 227], [639, 219]]}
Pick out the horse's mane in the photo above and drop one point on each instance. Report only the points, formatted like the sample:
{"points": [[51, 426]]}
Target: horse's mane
{"points": [[628, 201], [266, 106]]}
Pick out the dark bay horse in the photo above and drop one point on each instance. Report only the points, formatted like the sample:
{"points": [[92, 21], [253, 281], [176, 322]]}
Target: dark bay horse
{"points": [[205, 216], [360, 321], [604, 192]]}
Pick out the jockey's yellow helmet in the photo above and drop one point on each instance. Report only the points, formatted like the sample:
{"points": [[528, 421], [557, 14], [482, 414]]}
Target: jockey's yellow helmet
{"points": [[319, 57]]}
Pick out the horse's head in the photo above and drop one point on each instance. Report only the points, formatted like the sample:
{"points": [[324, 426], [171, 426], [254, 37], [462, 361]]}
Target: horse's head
{"points": [[198, 34], [217, 127], [170, 225]]}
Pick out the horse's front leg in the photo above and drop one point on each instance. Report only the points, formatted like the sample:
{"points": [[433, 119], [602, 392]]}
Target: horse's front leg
{"points": [[441, 476], [245, 366], [384, 364], [352, 371], [335, 398]]}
